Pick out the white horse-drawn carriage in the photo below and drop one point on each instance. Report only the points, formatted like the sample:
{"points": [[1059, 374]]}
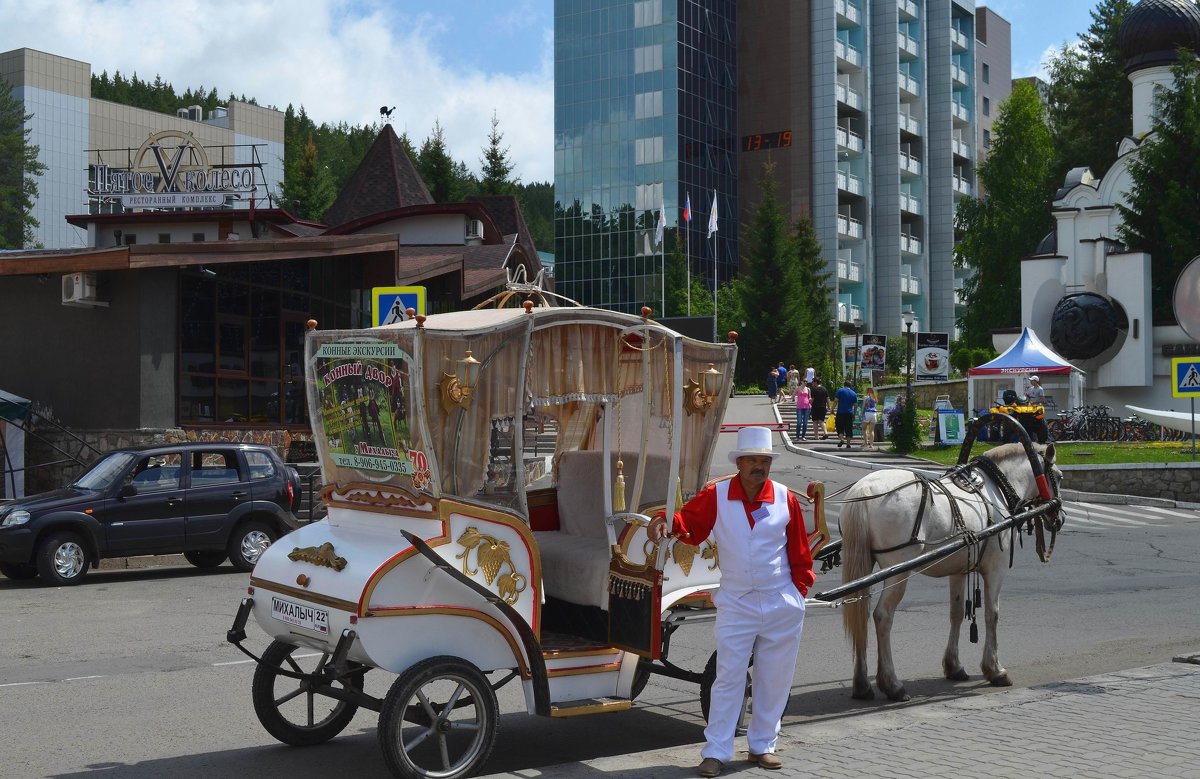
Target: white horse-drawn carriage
{"points": [[459, 554]]}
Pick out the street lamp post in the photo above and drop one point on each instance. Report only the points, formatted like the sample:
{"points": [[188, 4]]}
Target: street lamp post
{"points": [[858, 326], [909, 316]]}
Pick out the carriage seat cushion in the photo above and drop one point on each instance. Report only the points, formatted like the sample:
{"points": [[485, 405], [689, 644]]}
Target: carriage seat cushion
{"points": [[574, 569], [581, 489]]}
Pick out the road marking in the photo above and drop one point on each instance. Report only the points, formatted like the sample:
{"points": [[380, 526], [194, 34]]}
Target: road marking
{"points": [[20, 684], [1090, 513], [81, 678], [1177, 513], [233, 662]]}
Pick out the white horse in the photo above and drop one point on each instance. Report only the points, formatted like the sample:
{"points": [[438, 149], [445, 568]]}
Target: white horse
{"points": [[884, 522]]}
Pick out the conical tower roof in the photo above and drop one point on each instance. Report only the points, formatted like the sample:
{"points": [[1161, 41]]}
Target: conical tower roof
{"points": [[386, 179]]}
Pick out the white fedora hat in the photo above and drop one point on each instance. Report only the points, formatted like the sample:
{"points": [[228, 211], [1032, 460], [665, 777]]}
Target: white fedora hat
{"points": [[753, 441]]}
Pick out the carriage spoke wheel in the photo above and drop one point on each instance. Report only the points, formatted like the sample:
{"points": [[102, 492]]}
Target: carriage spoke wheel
{"points": [[292, 710], [439, 720]]}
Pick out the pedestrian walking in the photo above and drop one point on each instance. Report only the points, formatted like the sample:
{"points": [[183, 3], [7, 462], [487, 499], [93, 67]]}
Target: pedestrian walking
{"points": [[820, 409], [772, 385], [793, 381], [810, 373], [870, 414], [847, 403], [781, 380], [803, 410], [766, 570]]}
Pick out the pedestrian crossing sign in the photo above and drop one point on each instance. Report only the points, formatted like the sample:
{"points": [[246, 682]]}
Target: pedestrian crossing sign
{"points": [[390, 304], [1186, 372]]}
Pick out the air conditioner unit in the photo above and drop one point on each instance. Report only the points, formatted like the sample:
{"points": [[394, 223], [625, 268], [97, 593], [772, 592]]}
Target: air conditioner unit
{"points": [[182, 113], [195, 113], [79, 288], [474, 229]]}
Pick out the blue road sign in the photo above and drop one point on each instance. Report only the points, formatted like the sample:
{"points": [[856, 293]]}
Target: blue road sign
{"points": [[1186, 372], [390, 304]]}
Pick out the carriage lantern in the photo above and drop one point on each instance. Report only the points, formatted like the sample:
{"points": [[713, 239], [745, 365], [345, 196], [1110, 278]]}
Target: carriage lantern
{"points": [[699, 396], [457, 387]]}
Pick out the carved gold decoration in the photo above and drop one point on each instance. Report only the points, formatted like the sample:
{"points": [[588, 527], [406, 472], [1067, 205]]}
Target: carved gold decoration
{"points": [[491, 555], [683, 555], [318, 555], [710, 553]]}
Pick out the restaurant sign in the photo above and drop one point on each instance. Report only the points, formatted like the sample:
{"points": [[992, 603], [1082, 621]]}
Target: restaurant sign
{"points": [[172, 170]]}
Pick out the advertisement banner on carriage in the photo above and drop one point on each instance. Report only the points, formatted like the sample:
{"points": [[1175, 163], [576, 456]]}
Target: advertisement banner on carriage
{"points": [[363, 391], [932, 355]]}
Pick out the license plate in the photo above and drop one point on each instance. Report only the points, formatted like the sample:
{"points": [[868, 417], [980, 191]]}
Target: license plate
{"points": [[307, 617]]}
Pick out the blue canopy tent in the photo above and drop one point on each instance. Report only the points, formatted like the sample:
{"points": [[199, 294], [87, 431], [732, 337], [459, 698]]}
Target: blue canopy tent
{"points": [[1028, 356]]}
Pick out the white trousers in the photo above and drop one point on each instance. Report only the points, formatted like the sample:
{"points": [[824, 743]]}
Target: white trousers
{"points": [[767, 625]]}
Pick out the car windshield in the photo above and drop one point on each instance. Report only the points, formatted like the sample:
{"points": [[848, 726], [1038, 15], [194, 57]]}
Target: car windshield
{"points": [[105, 473]]}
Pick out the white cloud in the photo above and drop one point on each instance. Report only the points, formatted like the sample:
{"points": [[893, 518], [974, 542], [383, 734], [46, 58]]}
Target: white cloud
{"points": [[341, 60]]}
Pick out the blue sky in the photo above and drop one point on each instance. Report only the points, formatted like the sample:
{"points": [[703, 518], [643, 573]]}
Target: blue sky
{"points": [[448, 61]]}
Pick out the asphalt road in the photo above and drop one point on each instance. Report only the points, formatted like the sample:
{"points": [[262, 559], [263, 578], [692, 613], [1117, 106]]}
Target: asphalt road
{"points": [[129, 674]]}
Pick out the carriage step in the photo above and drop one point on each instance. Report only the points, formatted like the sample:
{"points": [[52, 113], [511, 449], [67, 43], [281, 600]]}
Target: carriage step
{"points": [[589, 706]]}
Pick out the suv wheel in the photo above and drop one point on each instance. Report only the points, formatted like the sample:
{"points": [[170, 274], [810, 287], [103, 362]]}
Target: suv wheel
{"points": [[18, 571], [207, 558], [247, 544], [61, 559]]}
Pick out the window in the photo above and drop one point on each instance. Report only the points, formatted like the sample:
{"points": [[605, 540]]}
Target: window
{"points": [[130, 240], [213, 468], [987, 74], [260, 464], [157, 473], [987, 107], [987, 139], [164, 237], [197, 237]]}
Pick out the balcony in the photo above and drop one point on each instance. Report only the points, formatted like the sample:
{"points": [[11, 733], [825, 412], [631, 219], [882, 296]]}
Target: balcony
{"points": [[958, 39], [910, 244], [848, 13], [848, 54], [849, 97], [909, 46], [909, 285], [909, 125], [910, 204], [960, 76], [907, 9], [961, 113], [849, 313], [848, 182], [849, 141], [962, 186], [960, 299], [849, 271], [849, 227], [909, 86], [961, 149], [909, 164]]}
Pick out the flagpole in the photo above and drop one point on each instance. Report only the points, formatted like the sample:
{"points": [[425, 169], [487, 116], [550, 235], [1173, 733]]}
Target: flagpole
{"points": [[714, 254], [687, 237], [662, 254]]}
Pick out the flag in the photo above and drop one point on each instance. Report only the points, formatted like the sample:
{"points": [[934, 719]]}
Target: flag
{"points": [[662, 223], [712, 216], [687, 208]]}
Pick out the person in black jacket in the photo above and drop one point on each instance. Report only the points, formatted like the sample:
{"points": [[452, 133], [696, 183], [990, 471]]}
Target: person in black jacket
{"points": [[820, 408]]}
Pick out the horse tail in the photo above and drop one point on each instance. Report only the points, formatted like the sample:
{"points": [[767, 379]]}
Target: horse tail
{"points": [[857, 562]]}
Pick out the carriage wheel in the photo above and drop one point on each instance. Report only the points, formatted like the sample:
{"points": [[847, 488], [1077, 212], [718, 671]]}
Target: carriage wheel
{"points": [[439, 720], [290, 709], [706, 682]]}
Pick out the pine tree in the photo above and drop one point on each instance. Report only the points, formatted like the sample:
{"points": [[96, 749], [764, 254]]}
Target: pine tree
{"points": [[1165, 199], [496, 167], [436, 166], [19, 171], [1008, 223], [1090, 98], [771, 292], [308, 188], [815, 333]]}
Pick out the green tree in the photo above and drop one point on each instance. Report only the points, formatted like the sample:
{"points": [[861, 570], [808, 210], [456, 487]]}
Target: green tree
{"points": [[496, 167], [814, 331], [771, 289], [19, 171], [537, 205], [436, 166], [1165, 198], [1090, 98], [308, 188], [1007, 224]]}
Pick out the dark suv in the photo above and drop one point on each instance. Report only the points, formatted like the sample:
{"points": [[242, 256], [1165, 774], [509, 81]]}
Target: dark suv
{"points": [[210, 501]]}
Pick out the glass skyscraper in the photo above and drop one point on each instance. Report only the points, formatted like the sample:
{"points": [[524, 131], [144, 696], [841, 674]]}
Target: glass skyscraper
{"points": [[645, 117]]}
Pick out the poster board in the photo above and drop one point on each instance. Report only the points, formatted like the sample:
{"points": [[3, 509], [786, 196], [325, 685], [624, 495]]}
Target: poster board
{"points": [[952, 426]]}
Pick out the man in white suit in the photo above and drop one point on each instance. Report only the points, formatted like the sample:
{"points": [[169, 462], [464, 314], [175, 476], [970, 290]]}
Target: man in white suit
{"points": [[766, 570]]}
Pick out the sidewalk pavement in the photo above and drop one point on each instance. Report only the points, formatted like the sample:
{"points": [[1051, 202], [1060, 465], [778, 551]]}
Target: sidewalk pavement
{"points": [[1125, 725]]}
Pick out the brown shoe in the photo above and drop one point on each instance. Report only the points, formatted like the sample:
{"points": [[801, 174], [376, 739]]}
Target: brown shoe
{"points": [[768, 760], [709, 766]]}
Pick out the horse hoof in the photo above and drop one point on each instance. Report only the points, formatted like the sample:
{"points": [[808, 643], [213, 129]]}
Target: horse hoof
{"points": [[899, 696], [866, 694], [958, 675], [1000, 680]]}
